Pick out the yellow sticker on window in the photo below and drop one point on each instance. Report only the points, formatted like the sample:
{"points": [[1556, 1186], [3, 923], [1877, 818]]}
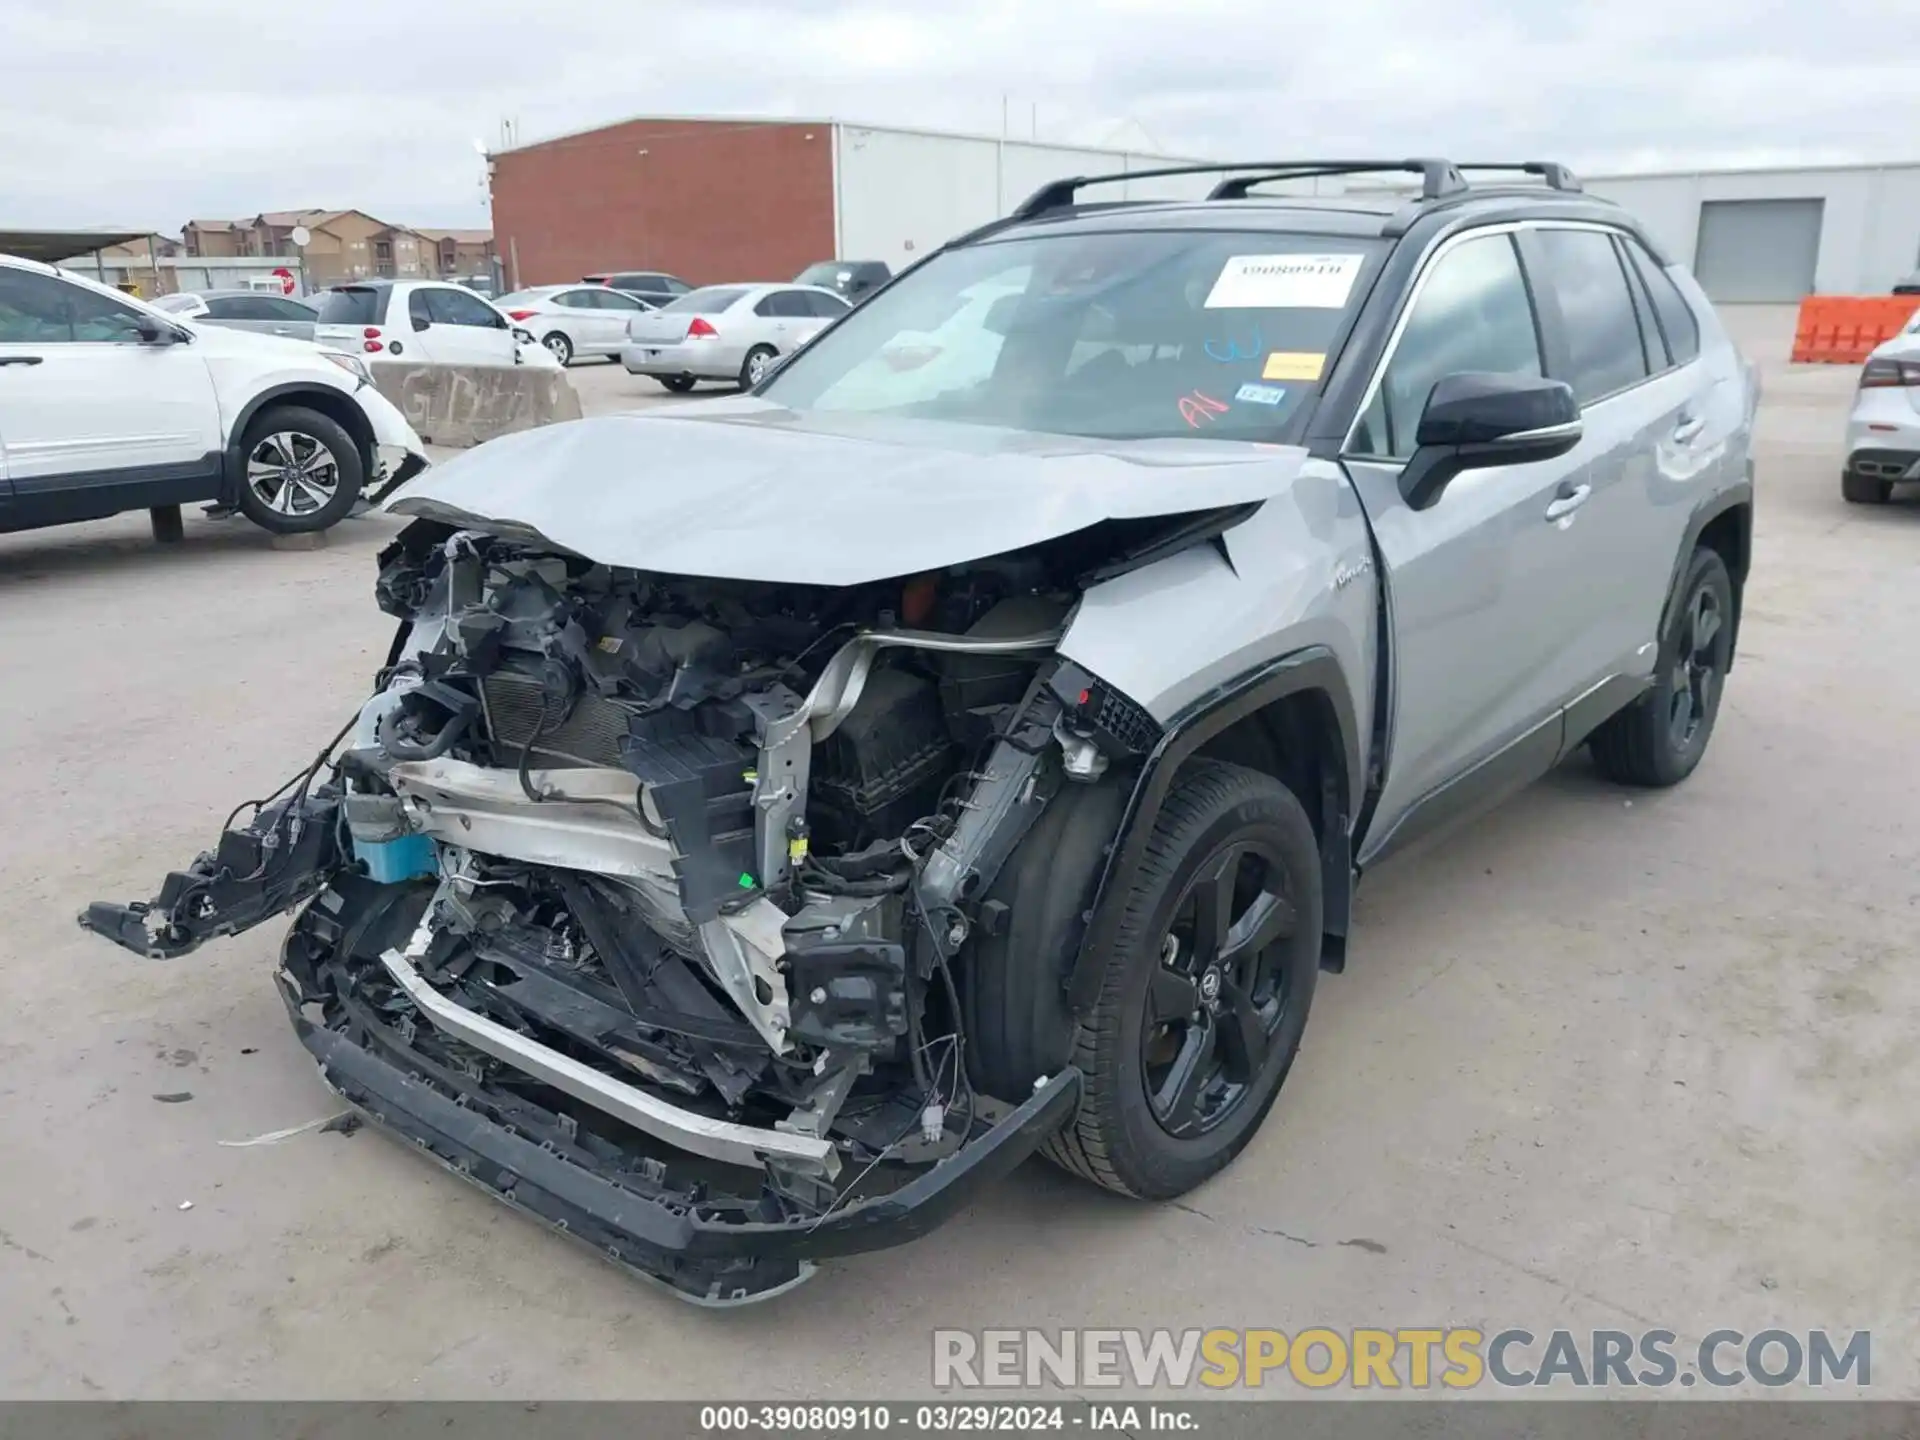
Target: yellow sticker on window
{"points": [[1293, 365]]}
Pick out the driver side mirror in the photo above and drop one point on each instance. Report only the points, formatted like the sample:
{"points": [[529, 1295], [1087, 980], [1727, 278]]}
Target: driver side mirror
{"points": [[152, 330], [522, 337], [1475, 420]]}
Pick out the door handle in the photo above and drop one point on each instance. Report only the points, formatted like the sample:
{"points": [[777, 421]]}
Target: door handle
{"points": [[1570, 499], [21, 359], [1689, 428], [281, 330]]}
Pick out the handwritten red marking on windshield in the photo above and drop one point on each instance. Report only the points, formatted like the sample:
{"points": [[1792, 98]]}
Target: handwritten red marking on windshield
{"points": [[1197, 407]]}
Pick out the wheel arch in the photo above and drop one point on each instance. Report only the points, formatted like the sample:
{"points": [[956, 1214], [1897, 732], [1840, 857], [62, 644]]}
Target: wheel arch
{"points": [[1723, 523], [1292, 718], [336, 405]]}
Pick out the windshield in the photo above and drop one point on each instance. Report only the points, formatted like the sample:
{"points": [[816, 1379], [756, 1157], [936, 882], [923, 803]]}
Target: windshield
{"points": [[828, 275], [1120, 336], [710, 301]]}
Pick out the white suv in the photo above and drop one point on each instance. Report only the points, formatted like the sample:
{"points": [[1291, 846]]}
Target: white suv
{"points": [[107, 404]]}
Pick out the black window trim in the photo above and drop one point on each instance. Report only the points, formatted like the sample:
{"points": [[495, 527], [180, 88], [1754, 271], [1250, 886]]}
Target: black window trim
{"points": [[1624, 242], [1653, 339]]}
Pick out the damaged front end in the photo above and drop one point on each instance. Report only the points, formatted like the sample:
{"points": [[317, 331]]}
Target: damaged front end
{"points": [[643, 901]]}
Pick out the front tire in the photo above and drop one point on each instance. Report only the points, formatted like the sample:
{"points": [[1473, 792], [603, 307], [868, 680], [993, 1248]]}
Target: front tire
{"points": [[1659, 739], [1205, 991], [559, 346], [300, 471], [678, 384]]}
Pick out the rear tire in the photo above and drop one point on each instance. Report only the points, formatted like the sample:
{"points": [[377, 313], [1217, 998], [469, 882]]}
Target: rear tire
{"points": [[559, 346], [754, 368], [678, 384], [300, 471], [1206, 989], [1659, 739], [1864, 489]]}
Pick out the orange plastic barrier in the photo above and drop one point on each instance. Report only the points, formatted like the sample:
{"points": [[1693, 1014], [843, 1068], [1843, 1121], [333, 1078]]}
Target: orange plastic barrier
{"points": [[1843, 329]]}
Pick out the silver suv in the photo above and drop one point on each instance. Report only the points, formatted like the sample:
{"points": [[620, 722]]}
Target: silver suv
{"points": [[778, 816]]}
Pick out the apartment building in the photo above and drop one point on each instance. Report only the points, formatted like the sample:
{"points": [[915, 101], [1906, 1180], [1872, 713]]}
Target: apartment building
{"points": [[343, 245]]}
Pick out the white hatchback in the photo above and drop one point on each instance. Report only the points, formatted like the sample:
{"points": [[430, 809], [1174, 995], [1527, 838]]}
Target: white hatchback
{"points": [[428, 321]]}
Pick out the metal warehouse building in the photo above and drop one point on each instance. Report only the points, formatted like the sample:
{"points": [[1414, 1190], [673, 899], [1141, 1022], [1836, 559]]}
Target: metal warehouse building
{"points": [[714, 199], [1776, 235]]}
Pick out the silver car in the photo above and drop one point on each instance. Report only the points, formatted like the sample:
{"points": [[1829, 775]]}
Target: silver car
{"points": [[574, 320], [969, 743], [735, 333], [1883, 432], [252, 310]]}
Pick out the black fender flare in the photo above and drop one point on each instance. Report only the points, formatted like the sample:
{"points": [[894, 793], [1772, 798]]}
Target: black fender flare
{"points": [[1738, 496], [234, 462], [1314, 668]]}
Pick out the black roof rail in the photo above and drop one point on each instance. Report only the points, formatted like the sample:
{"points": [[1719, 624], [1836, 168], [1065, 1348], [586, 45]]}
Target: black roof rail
{"points": [[1557, 176], [1437, 178]]}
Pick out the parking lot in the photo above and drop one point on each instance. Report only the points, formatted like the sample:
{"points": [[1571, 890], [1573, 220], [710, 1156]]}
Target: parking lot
{"points": [[1603, 1060]]}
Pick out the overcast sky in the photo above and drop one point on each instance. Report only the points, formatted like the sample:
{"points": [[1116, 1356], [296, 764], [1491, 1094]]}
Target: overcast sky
{"points": [[151, 112]]}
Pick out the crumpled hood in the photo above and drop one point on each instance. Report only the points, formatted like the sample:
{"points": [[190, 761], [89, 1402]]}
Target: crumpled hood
{"points": [[745, 489]]}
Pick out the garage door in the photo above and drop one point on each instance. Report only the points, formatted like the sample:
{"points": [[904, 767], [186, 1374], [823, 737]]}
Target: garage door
{"points": [[1762, 250]]}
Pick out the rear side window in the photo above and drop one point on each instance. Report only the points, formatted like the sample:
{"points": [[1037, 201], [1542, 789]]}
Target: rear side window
{"points": [[1670, 307], [255, 307], [824, 306], [787, 304], [1472, 314], [355, 305], [710, 301], [1604, 352]]}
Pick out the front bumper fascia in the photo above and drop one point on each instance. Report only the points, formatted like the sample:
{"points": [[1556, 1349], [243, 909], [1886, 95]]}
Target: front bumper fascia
{"points": [[697, 1256]]}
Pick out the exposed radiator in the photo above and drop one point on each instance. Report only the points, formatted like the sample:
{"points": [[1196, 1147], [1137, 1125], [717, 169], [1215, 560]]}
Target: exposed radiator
{"points": [[590, 735]]}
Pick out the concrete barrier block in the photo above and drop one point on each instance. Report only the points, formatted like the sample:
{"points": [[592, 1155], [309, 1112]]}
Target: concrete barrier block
{"points": [[461, 405]]}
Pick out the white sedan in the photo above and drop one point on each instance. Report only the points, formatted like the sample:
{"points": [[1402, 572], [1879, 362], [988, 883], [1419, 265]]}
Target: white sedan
{"points": [[1883, 432], [574, 320], [735, 333]]}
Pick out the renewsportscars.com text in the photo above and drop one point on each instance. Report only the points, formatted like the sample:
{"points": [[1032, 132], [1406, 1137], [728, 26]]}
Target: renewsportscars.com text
{"points": [[1417, 1359]]}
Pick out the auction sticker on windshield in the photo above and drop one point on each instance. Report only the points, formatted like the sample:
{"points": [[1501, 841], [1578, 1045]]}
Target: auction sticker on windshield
{"points": [[1293, 365], [1284, 282]]}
